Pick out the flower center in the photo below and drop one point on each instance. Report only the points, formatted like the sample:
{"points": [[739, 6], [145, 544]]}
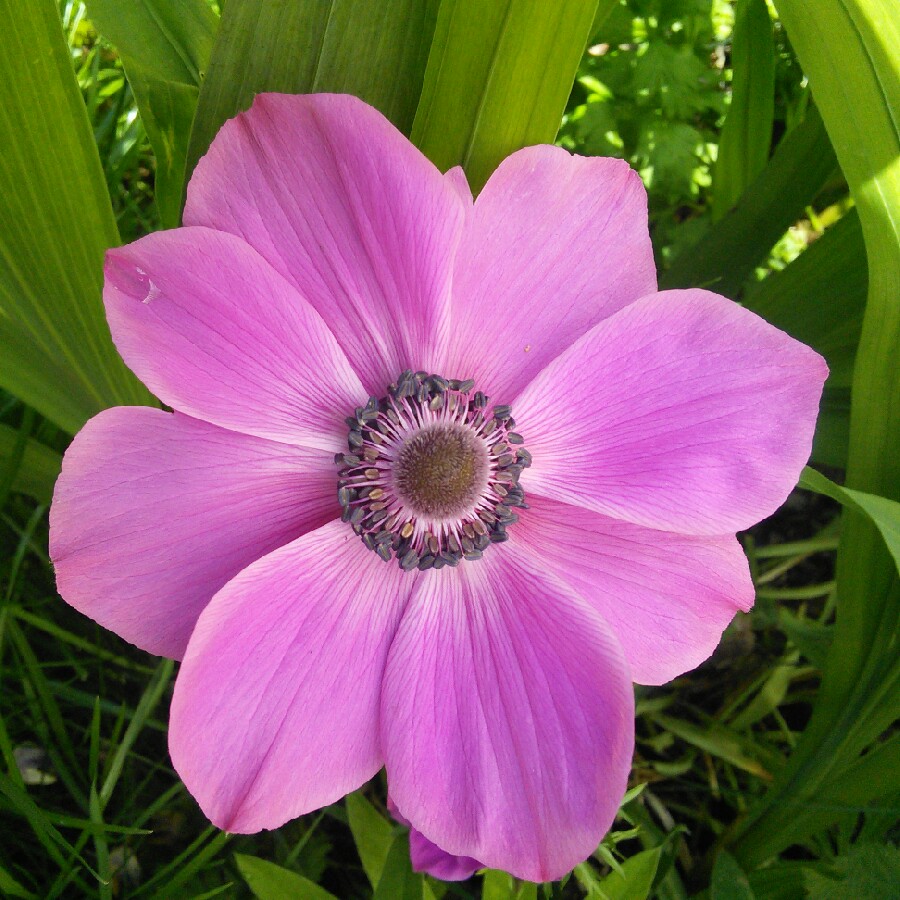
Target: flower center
{"points": [[431, 476]]}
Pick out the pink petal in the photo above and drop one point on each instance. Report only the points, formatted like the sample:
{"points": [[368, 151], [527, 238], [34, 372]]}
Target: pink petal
{"points": [[215, 332], [682, 412], [154, 512], [429, 858], [507, 717], [668, 597], [555, 244], [343, 206], [275, 711]]}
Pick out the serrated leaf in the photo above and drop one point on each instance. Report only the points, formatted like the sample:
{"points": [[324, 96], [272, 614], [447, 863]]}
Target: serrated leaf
{"points": [[269, 881], [498, 78], [56, 222], [375, 51]]}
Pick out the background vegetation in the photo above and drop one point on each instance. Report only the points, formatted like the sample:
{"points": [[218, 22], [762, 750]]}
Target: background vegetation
{"points": [[770, 150]]}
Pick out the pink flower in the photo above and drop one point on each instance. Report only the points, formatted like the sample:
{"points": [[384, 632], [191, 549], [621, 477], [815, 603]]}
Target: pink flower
{"points": [[325, 261]]}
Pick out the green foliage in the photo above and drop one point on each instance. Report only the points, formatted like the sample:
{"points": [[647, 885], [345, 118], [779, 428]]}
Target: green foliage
{"points": [[497, 79], [342, 46], [165, 49], [694, 93], [55, 224]]}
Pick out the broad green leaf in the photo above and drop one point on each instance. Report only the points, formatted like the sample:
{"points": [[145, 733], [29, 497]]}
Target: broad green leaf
{"points": [[729, 881], [635, 879], [55, 224], [376, 51], [398, 881], [820, 299], [727, 254], [269, 881], [372, 833], [35, 466], [498, 78], [884, 513], [747, 133], [169, 39], [165, 47], [848, 50]]}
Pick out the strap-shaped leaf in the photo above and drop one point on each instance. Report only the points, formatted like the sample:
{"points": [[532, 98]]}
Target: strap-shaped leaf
{"points": [[726, 255], [165, 47], [820, 299], [55, 224], [498, 78], [376, 51], [848, 50], [26, 465], [747, 133]]}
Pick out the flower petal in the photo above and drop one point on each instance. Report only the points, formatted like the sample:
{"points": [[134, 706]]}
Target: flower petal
{"points": [[682, 412], [275, 711], [507, 718], [212, 330], [555, 244], [667, 597], [154, 512], [343, 206], [428, 857]]}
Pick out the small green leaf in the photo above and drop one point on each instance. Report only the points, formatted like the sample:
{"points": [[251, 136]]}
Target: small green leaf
{"points": [[376, 51], [269, 881], [498, 78], [398, 881], [635, 879], [884, 513], [729, 881], [372, 833], [747, 133], [500, 886], [56, 222]]}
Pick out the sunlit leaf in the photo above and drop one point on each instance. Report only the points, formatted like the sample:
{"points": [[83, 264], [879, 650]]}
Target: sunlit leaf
{"points": [[498, 78], [55, 224], [724, 258], [165, 47], [375, 51]]}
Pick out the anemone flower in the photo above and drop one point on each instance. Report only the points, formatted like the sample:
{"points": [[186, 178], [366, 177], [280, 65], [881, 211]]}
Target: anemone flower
{"points": [[442, 479]]}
